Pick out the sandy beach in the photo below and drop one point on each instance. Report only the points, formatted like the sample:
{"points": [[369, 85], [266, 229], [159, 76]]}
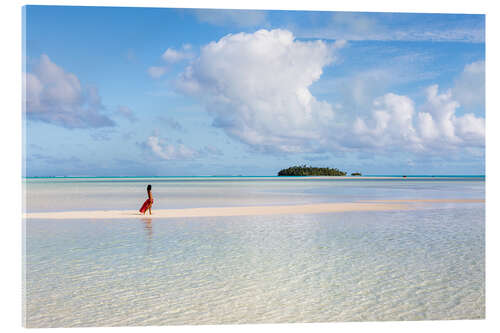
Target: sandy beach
{"points": [[375, 205]]}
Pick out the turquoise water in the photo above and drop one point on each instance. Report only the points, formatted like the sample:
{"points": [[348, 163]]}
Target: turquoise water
{"points": [[420, 264]]}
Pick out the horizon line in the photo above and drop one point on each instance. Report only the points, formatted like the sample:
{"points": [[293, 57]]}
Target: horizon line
{"points": [[274, 176]]}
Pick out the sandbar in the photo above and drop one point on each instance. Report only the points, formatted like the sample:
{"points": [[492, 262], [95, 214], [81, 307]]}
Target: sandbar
{"points": [[221, 211], [371, 205]]}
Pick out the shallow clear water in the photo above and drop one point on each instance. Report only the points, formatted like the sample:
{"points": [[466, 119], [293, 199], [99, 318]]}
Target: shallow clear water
{"points": [[395, 265], [55, 194]]}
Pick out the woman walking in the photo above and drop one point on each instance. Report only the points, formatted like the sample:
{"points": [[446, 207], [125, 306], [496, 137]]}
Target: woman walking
{"points": [[148, 203]]}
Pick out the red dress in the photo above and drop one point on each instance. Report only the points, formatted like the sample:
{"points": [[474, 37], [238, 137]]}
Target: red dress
{"points": [[146, 205]]}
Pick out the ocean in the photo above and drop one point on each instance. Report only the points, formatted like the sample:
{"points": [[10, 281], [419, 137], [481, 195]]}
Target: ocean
{"points": [[425, 263]]}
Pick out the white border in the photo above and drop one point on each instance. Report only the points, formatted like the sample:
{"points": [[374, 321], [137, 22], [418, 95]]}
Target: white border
{"points": [[10, 20]]}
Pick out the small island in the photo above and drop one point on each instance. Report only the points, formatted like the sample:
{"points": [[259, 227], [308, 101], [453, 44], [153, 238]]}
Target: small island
{"points": [[356, 174], [310, 171]]}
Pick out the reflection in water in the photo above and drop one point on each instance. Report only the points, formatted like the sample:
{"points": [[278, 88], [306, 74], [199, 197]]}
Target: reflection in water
{"points": [[148, 226]]}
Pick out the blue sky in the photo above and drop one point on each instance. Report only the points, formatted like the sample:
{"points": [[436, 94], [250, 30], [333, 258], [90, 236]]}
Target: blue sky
{"points": [[143, 92]]}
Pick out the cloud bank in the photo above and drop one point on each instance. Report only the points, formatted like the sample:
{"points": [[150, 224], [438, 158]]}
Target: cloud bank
{"points": [[395, 125], [256, 86], [57, 97]]}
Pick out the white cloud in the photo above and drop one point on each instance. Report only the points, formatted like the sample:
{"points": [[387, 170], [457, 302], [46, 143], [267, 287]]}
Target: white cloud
{"points": [[428, 129], [56, 96], [157, 71], [172, 55], [442, 108], [465, 130], [257, 87], [469, 87], [437, 126], [471, 128], [169, 151], [392, 123]]}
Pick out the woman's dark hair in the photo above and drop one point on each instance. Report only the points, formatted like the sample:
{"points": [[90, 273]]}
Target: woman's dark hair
{"points": [[149, 187]]}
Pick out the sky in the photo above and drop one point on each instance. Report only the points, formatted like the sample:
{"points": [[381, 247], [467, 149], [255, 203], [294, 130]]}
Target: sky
{"points": [[113, 91]]}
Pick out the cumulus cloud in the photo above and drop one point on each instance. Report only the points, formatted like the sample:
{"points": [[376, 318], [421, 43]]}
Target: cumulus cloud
{"points": [[392, 123], [57, 97], [467, 129], [469, 86], [256, 85], [396, 125], [167, 151]]}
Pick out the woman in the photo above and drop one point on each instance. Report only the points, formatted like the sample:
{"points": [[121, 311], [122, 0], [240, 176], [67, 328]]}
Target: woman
{"points": [[148, 203]]}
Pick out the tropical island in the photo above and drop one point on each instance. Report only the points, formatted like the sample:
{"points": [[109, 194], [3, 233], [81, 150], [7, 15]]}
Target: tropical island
{"points": [[304, 170]]}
